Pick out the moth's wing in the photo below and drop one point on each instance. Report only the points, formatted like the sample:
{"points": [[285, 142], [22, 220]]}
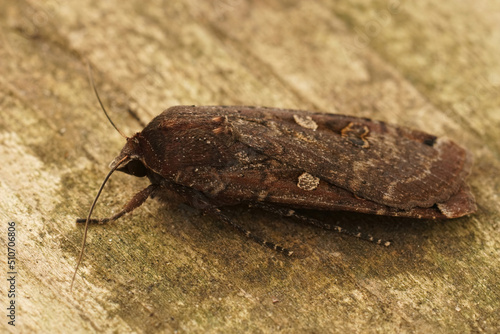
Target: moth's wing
{"points": [[389, 165], [460, 204], [271, 182]]}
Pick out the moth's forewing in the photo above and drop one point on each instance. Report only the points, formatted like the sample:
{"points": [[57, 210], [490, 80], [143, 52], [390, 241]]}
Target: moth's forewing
{"points": [[373, 160], [285, 187]]}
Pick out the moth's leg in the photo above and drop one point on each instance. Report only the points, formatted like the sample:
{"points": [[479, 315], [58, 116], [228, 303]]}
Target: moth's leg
{"points": [[312, 221], [133, 204], [201, 202], [269, 244]]}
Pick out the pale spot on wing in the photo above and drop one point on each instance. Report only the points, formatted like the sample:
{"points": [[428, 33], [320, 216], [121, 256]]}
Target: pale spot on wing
{"points": [[305, 122], [307, 182]]}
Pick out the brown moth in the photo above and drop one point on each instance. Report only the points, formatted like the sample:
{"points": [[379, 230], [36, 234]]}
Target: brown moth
{"points": [[281, 160]]}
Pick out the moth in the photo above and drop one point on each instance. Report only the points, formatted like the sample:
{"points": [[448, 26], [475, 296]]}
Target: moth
{"points": [[282, 160]]}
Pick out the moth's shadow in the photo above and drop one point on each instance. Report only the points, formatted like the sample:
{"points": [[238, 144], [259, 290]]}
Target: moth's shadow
{"points": [[414, 242], [404, 234]]}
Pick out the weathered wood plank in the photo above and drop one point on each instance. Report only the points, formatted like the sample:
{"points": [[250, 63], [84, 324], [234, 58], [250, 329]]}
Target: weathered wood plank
{"points": [[431, 66]]}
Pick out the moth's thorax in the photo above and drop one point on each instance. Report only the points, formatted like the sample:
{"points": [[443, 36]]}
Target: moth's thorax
{"points": [[173, 145]]}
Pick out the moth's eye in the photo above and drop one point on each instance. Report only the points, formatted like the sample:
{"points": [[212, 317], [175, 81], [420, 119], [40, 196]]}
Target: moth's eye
{"points": [[134, 167]]}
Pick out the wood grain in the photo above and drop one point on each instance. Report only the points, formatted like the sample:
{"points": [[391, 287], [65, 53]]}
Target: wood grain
{"points": [[431, 66]]}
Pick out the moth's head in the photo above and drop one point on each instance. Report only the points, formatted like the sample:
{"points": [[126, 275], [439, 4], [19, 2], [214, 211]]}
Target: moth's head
{"points": [[134, 167], [133, 164], [128, 161]]}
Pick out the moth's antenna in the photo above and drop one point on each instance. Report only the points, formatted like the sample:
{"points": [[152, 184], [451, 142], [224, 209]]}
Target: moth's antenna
{"points": [[100, 102], [88, 217]]}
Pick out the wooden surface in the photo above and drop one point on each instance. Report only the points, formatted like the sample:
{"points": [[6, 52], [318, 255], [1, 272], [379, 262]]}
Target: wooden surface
{"points": [[432, 66]]}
